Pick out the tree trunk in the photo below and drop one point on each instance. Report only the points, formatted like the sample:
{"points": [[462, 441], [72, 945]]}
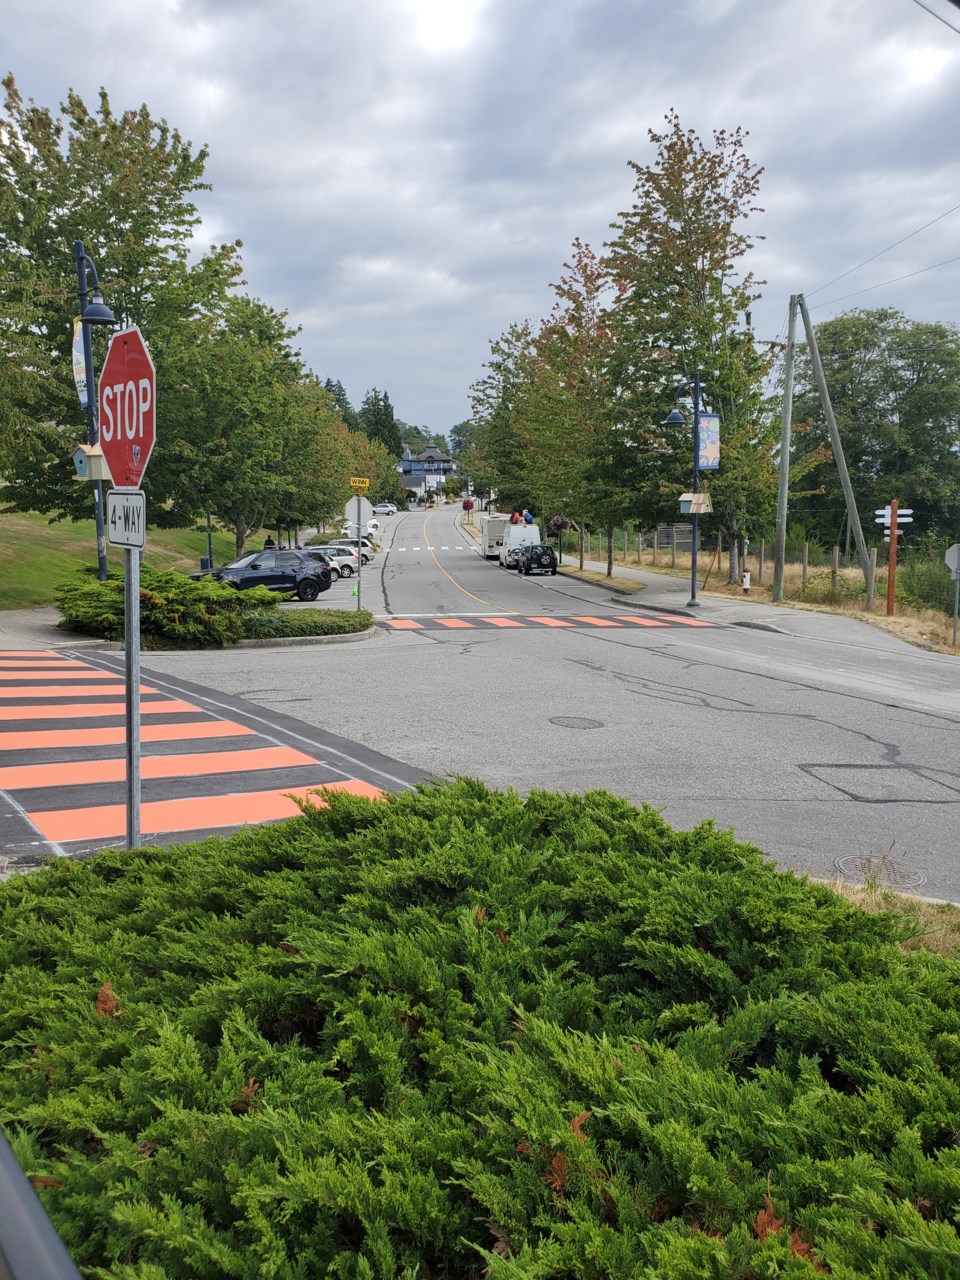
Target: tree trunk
{"points": [[733, 543]]}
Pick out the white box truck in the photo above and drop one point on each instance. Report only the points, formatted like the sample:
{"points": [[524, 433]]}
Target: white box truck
{"points": [[491, 534]]}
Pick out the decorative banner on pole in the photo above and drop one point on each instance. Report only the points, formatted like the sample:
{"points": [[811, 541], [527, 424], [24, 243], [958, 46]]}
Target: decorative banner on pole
{"points": [[79, 367], [709, 459]]}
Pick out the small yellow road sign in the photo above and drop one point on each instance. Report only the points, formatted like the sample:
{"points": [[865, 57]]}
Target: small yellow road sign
{"points": [[359, 484]]}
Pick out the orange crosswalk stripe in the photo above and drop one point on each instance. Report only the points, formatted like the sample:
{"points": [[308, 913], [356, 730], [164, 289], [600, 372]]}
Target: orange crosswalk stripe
{"points": [[89, 772], [191, 814], [76, 710], [51, 739], [595, 622], [55, 690], [455, 622], [640, 622], [405, 624], [503, 622], [552, 622]]}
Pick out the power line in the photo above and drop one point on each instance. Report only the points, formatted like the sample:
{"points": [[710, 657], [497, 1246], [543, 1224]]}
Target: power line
{"points": [[866, 261], [884, 283], [938, 17]]}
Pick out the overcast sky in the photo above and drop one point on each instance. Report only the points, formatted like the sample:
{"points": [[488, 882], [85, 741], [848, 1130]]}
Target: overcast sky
{"points": [[407, 176]]}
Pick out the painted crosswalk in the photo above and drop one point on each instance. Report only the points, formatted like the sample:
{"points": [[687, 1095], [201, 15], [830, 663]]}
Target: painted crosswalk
{"points": [[473, 622], [63, 768]]}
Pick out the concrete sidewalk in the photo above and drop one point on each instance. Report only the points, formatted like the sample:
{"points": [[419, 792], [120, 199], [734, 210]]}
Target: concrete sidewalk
{"points": [[664, 593]]}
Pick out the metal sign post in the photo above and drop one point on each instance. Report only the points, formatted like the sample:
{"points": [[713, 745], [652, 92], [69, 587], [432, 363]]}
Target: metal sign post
{"points": [[359, 485], [952, 561], [126, 526]]}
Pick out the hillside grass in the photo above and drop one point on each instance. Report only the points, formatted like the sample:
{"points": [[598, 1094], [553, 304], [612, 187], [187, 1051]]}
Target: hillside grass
{"points": [[35, 556], [459, 1034]]}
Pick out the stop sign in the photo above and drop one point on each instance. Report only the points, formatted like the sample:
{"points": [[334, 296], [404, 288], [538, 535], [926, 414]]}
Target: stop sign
{"points": [[128, 408]]}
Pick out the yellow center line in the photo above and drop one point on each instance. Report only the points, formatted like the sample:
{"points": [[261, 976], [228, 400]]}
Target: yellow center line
{"points": [[479, 599]]}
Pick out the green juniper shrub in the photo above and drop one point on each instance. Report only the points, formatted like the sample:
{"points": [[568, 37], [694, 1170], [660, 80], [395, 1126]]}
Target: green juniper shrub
{"points": [[458, 1033], [177, 612]]}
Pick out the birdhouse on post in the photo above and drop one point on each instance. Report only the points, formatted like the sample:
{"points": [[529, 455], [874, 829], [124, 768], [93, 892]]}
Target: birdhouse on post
{"points": [[90, 463]]}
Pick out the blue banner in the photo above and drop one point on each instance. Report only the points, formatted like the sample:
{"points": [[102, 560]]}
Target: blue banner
{"points": [[709, 456]]}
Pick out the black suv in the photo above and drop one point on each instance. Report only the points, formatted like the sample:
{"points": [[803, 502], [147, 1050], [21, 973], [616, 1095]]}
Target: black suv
{"points": [[286, 571], [539, 558]]}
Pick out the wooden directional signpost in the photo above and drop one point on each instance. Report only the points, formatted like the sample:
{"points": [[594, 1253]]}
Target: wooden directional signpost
{"points": [[892, 518], [127, 400]]}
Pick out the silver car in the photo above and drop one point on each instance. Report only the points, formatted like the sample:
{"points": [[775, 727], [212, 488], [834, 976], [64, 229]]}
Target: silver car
{"points": [[344, 558]]}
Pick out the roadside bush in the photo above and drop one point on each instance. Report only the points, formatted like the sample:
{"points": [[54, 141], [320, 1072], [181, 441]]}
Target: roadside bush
{"points": [[178, 613], [456, 1033], [820, 589], [924, 581]]}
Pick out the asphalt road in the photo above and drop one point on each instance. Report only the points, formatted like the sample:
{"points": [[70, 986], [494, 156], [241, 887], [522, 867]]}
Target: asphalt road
{"points": [[837, 742]]}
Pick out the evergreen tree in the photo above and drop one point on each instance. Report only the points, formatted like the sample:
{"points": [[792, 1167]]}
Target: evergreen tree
{"points": [[341, 403], [377, 421]]}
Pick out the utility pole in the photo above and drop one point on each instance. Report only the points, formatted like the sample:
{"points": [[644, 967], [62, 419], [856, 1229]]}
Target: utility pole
{"points": [[786, 426], [818, 373]]}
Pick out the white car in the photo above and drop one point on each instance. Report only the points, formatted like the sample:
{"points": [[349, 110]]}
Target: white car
{"points": [[384, 509], [345, 560], [366, 549]]}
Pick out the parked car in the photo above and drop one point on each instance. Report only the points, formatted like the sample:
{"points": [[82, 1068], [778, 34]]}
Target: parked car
{"points": [[327, 558], [292, 572], [537, 558], [345, 560], [384, 509], [366, 549], [370, 529]]}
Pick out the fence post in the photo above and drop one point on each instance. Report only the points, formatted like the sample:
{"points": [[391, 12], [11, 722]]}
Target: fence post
{"points": [[805, 562], [871, 578], [625, 546], [763, 548], [673, 546], [656, 544], [835, 568]]}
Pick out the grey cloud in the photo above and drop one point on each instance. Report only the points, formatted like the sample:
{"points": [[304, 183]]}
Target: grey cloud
{"points": [[406, 205]]}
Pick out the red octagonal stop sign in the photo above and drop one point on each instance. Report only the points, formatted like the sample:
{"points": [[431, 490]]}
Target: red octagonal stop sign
{"points": [[128, 408]]}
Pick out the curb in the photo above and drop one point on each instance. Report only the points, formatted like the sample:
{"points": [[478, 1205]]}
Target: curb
{"points": [[277, 642]]}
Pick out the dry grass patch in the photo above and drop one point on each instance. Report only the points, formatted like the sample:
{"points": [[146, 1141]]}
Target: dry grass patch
{"points": [[936, 924]]}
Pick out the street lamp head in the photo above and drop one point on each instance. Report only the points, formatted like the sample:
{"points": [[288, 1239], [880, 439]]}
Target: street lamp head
{"points": [[673, 419], [97, 311]]}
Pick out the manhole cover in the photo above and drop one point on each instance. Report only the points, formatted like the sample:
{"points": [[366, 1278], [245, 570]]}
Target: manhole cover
{"points": [[879, 869], [575, 722]]}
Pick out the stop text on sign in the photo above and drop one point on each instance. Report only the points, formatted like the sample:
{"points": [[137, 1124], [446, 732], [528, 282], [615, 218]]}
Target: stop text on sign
{"points": [[124, 408]]}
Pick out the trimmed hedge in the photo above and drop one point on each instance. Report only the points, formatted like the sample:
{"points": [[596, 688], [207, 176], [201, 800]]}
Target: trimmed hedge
{"points": [[460, 1034], [179, 613]]}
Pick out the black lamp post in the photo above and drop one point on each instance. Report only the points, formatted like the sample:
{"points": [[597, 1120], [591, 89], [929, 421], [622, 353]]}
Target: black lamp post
{"points": [[93, 310], [673, 419]]}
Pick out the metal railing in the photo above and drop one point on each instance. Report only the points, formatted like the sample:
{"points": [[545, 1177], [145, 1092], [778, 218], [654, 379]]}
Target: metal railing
{"points": [[30, 1249]]}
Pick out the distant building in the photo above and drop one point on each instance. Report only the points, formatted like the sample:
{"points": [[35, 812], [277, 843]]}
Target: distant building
{"points": [[426, 471]]}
